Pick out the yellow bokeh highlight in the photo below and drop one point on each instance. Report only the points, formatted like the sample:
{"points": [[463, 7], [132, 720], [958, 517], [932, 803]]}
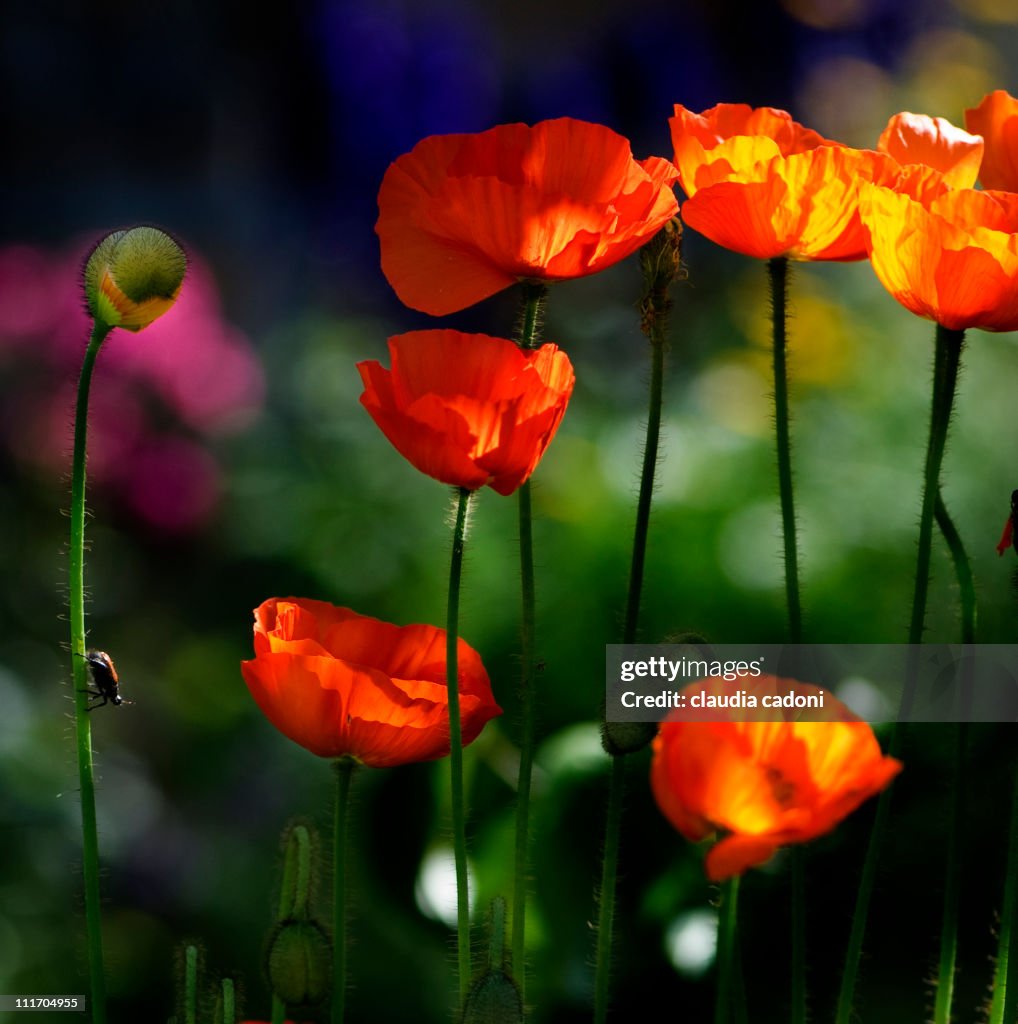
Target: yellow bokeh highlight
{"points": [[822, 100], [998, 12], [820, 346], [946, 71]]}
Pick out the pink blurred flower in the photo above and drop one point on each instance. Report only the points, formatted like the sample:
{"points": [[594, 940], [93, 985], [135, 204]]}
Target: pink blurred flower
{"points": [[192, 364]]}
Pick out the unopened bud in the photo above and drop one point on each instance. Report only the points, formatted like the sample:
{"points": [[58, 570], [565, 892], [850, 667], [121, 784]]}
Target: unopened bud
{"points": [[494, 999], [620, 738], [299, 959], [132, 277]]}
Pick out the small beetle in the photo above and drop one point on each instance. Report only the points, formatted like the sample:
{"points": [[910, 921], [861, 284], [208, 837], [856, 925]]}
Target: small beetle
{"points": [[107, 682], [1010, 535]]}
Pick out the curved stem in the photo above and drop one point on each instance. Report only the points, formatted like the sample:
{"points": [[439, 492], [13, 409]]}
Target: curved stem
{"points": [[727, 951], [962, 569], [609, 877], [86, 774], [529, 338], [947, 359], [778, 271], [459, 835], [945, 377], [344, 774]]}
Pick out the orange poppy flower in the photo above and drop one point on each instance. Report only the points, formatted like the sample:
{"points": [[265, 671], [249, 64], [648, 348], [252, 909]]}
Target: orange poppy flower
{"points": [[764, 784], [761, 184], [346, 685], [996, 119], [950, 255], [460, 217], [468, 409]]}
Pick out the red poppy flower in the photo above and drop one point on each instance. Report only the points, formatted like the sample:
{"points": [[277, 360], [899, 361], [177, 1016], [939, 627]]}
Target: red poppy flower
{"points": [[346, 685], [996, 119], [765, 784], [460, 217], [761, 184], [468, 409], [950, 255]]}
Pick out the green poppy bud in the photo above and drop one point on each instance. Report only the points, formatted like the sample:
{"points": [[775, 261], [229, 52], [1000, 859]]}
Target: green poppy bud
{"points": [[299, 963], [132, 277], [494, 999], [620, 738]]}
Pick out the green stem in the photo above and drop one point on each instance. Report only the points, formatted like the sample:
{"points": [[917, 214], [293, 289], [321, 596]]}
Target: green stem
{"points": [[650, 450], [727, 950], [1005, 975], [945, 377], [459, 834], [609, 877], [660, 263], [533, 296], [778, 270], [344, 774], [190, 985], [229, 1007], [962, 569], [278, 1011], [798, 935], [86, 774], [952, 884]]}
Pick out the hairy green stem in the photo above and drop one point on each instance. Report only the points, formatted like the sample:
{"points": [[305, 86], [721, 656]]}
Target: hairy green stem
{"points": [[79, 668], [952, 884], [778, 271], [228, 1002], [344, 774], [459, 829], [660, 263], [609, 877], [1005, 976], [945, 377], [962, 569], [947, 359], [191, 985], [533, 296], [727, 951]]}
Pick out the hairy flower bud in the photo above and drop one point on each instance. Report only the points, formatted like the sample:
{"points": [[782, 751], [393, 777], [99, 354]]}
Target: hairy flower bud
{"points": [[300, 955], [132, 277]]}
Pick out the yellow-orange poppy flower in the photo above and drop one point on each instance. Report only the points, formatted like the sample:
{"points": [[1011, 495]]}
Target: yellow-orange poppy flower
{"points": [[468, 409], [346, 685], [761, 784], [996, 119], [761, 184], [949, 255], [460, 217]]}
